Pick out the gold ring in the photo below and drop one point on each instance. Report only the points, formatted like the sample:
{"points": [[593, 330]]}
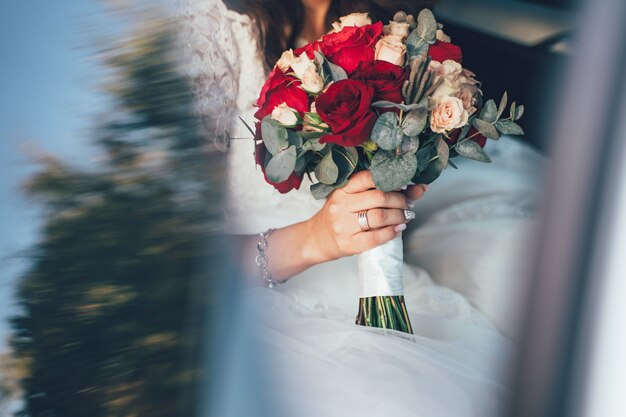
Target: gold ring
{"points": [[363, 223]]}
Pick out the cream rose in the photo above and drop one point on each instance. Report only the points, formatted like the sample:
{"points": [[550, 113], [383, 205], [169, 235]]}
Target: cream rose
{"points": [[285, 115], [390, 48], [442, 37], [399, 29], [448, 114], [446, 88], [302, 64], [312, 81], [285, 61], [353, 19], [468, 94]]}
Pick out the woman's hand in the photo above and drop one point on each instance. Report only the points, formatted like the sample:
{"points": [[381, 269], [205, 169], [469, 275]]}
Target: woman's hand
{"points": [[335, 231]]}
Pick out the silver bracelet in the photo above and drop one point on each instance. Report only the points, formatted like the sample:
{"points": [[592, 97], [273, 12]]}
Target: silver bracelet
{"points": [[261, 259]]}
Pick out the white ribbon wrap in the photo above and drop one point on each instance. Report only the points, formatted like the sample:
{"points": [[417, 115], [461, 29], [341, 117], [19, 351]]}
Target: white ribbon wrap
{"points": [[380, 270]]}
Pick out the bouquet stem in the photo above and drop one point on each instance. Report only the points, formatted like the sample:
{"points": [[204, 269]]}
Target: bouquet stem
{"points": [[387, 312]]}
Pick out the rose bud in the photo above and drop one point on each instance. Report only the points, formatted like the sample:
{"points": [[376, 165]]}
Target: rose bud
{"points": [[390, 48], [285, 115]]}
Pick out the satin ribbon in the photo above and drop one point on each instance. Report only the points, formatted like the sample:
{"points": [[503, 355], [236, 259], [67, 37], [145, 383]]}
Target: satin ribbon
{"points": [[380, 270]]}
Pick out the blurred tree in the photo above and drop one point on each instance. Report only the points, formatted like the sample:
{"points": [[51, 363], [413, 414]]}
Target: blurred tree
{"points": [[113, 302]]}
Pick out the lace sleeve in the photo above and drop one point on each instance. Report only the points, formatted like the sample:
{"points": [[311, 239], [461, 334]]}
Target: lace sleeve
{"points": [[210, 59]]}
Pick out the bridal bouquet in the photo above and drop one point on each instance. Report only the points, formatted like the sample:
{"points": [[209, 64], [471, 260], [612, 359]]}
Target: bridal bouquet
{"points": [[393, 99]]}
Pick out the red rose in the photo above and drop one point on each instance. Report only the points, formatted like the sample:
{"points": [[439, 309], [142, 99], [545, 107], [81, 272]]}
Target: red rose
{"points": [[385, 78], [352, 45], [441, 51], [345, 107], [454, 136], [309, 48], [278, 89], [284, 187]]}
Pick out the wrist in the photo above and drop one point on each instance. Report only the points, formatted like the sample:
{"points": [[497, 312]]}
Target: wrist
{"points": [[316, 250]]}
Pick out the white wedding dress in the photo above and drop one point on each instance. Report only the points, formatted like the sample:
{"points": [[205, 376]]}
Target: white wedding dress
{"points": [[473, 229]]}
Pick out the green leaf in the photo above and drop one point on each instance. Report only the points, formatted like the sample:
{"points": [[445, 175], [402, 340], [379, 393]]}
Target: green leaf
{"points": [[519, 112], [321, 191], [326, 171], [293, 138], [274, 135], [509, 127], [502, 106], [301, 161], [346, 159], [430, 173], [424, 156], [489, 112], [386, 133], [313, 144], [512, 111], [486, 129], [415, 46], [391, 171], [471, 150], [335, 71], [280, 167], [443, 151], [426, 26], [414, 122], [410, 144]]}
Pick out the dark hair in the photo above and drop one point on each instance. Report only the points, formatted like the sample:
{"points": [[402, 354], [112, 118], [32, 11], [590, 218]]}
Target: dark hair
{"points": [[281, 21]]}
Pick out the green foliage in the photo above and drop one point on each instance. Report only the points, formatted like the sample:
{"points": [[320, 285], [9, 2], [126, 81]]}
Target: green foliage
{"points": [[105, 327]]}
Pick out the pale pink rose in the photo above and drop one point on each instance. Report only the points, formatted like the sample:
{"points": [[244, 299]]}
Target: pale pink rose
{"points": [[312, 81], [448, 114], [446, 89], [469, 94], [390, 48], [302, 64], [285, 115], [285, 61], [353, 19], [399, 29], [442, 37]]}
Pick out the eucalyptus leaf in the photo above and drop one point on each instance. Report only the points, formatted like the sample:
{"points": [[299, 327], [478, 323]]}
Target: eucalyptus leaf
{"points": [[326, 171], [415, 46], [443, 151], [509, 127], [429, 174], [512, 110], [282, 165], [386, 133], [519, 112], [424, 156], [471, 150], [414, 122], [391, 171], [426, 26], [503, 103], [486, 128], [313, 144], [346, 159], [293, 138], [489, 112], [301, 162], [410, 144], [321, 191], [335, 71], [274, 135]]}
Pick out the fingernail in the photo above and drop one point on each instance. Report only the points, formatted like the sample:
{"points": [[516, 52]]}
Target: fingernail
{"points": [[404, 187], [399, 227], [409, 215], [410, 203], [424, 187]]}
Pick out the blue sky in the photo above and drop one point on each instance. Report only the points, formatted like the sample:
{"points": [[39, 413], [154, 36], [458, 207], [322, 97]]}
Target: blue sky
{"points": [[47, 102]]}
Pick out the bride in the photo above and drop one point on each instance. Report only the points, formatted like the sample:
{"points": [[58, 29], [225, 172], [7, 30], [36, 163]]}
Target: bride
{"points": [[468, 238]]}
